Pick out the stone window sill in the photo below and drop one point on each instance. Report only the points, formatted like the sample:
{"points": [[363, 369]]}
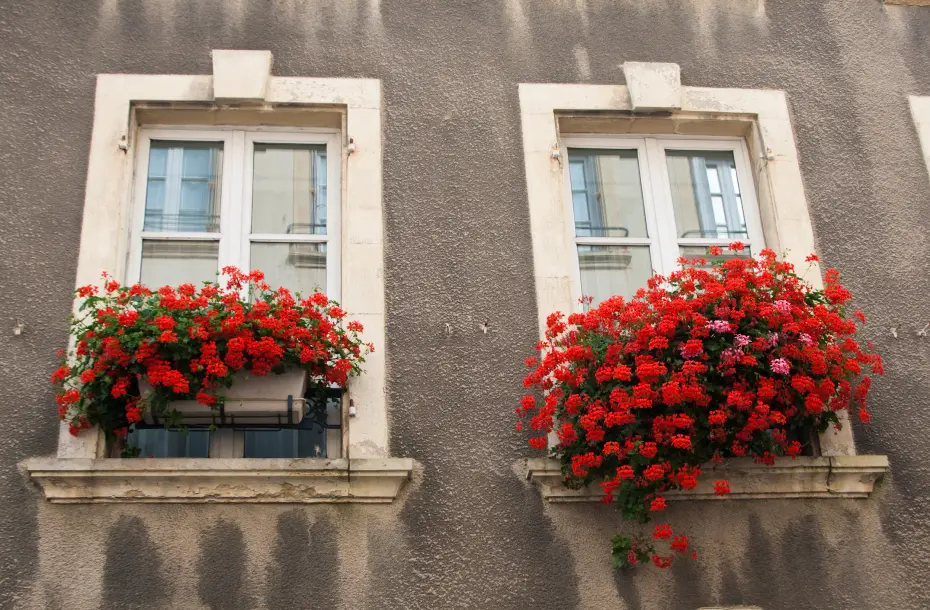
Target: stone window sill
{"points": [[852, 476], [305, 480]]}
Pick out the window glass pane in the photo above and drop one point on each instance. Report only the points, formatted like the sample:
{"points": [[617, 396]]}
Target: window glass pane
{"points": [[607, 194], [613, 270], [308, 439], [289, 189], [706, 194], [299, 267], [183, 190], [703, 252], [175, 262], [161, 443]]}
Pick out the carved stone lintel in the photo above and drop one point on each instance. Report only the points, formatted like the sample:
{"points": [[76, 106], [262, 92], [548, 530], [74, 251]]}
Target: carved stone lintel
{"points": [[852, 476]]}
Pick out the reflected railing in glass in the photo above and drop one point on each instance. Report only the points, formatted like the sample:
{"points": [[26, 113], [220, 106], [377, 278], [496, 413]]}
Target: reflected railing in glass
{"points": [[181, 223]]}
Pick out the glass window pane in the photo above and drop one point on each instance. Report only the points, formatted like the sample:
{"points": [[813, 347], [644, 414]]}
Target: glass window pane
{"points": [[308, 439], [607, 193], [712, 180], [289, 189], [613, 270], [161, 443], [706, 195], [197, 162], [691, 252], [154, 200], [299, 267], [183, 190], [158, 160], [171, 263]]}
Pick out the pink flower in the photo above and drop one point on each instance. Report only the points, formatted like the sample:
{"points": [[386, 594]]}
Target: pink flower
{"points": [[719, 326], [783, 306], [742, 340], [805, 339], [780, 366]]}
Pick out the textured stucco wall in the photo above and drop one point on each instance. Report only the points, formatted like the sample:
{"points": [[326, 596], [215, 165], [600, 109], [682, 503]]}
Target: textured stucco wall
{"points": [[468, 532]]}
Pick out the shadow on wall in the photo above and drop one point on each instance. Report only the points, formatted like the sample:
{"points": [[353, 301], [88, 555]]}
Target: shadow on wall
{"points": [[796, 555], [133, 574]]}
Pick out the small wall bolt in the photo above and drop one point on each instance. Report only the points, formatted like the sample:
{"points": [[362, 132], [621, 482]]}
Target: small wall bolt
{"points": [[18, 328], [351, 147], [448, 329], [352, 410], [123, 143], [768, 155], [894, 332], [923, 331], [485, 326], [556, 152]]}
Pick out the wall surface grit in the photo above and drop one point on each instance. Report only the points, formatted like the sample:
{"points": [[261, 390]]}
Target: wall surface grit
{"points": [[468, 533]]}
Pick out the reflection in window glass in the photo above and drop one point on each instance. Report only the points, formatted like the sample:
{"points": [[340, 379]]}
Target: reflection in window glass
{"points": [[299, 266], [608, 271], [706, 194], [289, 189], [176, 262], [183, 186], [162, 443], [691, 252], [607, 196], [306, 440]]}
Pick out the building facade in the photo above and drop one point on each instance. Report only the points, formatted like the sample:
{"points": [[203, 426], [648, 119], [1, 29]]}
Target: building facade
{"points": [[447, 154]]}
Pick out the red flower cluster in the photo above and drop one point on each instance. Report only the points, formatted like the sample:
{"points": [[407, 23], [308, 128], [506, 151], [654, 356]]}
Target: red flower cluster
{"points": [[705, 364], [188, 343]]}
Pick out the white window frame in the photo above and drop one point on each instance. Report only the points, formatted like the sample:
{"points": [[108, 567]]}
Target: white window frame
{"points": [[235, 237], [332, 239], [920, 111], [663, 241]]}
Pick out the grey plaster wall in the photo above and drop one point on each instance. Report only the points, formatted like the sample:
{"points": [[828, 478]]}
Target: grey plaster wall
{"points": [[468, 533]]}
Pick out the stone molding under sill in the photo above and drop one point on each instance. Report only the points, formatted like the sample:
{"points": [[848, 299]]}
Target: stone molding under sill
{"points": [[221, 480], [852, 476]]}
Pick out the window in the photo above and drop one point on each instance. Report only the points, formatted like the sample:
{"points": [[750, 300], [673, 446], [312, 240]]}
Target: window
{"points": [[253, 199], [318, 111], [638, 204], [205, 199]]}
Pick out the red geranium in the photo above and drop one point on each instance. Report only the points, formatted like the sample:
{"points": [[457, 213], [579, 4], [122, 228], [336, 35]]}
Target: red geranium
{"points": [[188, 343], [702, 365]]}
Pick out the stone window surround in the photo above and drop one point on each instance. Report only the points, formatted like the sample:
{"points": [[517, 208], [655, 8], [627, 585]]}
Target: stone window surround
{"points": [[920, 110], [655, 102], [242, 81]]}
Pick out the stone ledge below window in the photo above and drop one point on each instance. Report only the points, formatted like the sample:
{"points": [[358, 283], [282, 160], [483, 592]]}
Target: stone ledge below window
{"points": [[852, 476], [304, 480]]}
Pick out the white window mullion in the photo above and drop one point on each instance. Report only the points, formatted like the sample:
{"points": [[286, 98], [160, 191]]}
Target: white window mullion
{"points": [[747, 189], [666, 234], [235, 217], [334, 230]]}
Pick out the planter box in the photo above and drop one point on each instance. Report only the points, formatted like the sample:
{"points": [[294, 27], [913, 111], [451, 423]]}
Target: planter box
{"points": [[250, 400]]}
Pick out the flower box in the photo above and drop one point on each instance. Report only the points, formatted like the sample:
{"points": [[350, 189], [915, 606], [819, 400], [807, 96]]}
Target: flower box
{"points": [[201, 356], [251, 400]]}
